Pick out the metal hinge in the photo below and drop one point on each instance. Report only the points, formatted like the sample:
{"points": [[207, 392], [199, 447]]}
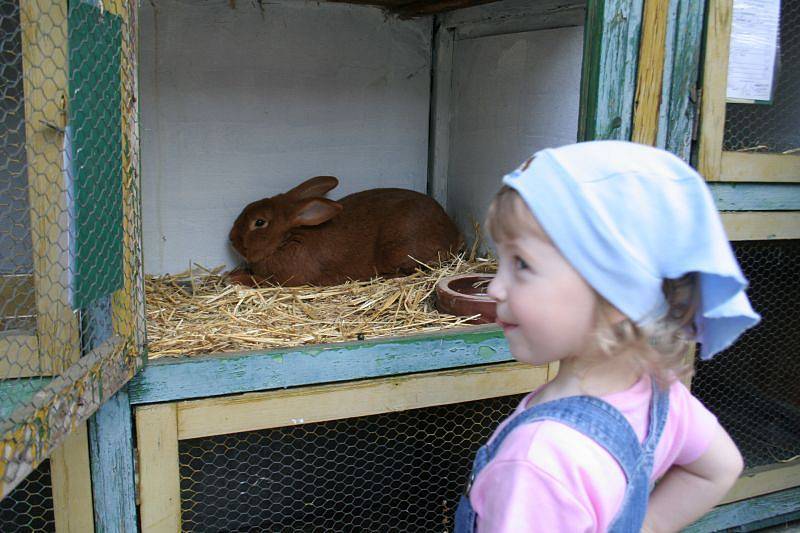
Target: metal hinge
{"points": [[696, 98]]}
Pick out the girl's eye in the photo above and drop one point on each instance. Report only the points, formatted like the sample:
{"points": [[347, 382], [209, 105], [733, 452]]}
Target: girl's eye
{"points": [[260, 222], [520, 263]]}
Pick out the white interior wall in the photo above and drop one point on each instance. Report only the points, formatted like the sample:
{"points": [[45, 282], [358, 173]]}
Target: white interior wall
{"points": [[240, 104], [513, 95]]}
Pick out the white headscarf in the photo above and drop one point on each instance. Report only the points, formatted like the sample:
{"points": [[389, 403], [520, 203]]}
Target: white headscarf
{"points": [[627, 216]]}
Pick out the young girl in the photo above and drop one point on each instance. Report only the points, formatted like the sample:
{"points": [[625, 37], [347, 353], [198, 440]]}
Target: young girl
{"points": [[612, 259]]}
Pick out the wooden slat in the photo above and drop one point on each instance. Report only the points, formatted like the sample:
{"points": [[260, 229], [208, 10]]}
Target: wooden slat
{"points": [[72, 484], [202, 376], [742, 166], [650, 72], [765, 480], [439, 150], [514, 16], [756, 196], [610, 59], [784, 504], [44, 58], [685, 36], [715, 80], [255, 411], [159, 475], [761, 225], [113, 478], [19, 357]]}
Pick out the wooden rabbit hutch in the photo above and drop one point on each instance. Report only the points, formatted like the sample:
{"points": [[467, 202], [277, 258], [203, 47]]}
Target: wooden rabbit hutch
{"points": [[242, 100]]}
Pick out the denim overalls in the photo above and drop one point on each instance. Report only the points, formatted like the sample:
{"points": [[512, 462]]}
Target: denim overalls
{"points": [[602, 422]]}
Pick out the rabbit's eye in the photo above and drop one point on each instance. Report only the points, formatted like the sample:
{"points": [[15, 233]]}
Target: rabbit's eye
{"points": [[260, 223]]}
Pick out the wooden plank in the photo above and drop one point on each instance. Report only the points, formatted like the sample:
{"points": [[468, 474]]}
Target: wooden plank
{"points": [[72, 484], [681, 91], [203, 376], [756, 196], [715, 80], [19, 356], [44, 60], [159, 473], [127, 304], [751, 511], [113, 480], [765, 480], [610, 58], [743, 166], [761, 225], [514, 17], [263, 410], [30, 434], [651, 72], [439, 149]]}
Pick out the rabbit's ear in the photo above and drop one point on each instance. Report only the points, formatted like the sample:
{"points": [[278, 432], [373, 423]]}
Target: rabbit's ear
{"points": [[314, 187], [314, 211]]}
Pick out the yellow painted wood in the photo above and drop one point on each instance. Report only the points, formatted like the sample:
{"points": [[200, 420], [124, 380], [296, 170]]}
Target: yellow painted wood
{"points": [[72, 484], [44, 60], [159, 476], [743, 166], [761, 225], [715, 80], [765, 480], [216, 416], [19, 357], [650, 72]]}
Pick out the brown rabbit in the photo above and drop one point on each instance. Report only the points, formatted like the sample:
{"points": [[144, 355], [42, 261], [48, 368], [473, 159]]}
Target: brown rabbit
{"points": [[299, 237]]}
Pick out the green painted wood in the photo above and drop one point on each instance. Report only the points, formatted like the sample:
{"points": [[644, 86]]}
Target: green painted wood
{"points": [[111, 454], [753, 510], [610, 57], [682, 72], [202, 376], [756, 196], [95, 119], [17, 392]]}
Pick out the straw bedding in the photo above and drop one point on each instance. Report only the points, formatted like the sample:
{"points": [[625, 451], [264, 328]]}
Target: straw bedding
{"points": [[199, 312]]}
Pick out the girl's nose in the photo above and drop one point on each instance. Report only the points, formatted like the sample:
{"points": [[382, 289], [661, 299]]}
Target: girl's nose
{"points": [[496, 290]]}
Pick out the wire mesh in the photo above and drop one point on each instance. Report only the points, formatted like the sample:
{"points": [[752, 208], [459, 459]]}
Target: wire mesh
{"points": [[69, 212], [398, 471], [29, 507], [753, 387], [772, 127]]}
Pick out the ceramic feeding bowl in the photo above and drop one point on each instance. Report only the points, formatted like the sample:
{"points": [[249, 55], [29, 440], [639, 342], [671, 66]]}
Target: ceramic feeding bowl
{"points": [[465, 295]]}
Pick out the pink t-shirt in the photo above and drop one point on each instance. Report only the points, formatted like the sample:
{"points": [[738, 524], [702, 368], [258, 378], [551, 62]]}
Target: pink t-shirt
{"points": [[549, 477]]}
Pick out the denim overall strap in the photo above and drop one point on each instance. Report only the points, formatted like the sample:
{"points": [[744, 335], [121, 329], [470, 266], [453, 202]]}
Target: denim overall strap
{"points": [[603, 423], [633, 509]]}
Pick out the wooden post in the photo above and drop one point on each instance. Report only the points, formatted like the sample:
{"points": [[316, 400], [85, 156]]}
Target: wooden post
{"points": [[72, 484], [44, 58], [159, 474], [113, 483], [651, 72]]}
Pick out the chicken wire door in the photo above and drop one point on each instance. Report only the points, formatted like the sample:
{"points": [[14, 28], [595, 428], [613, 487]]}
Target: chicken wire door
{"points": [[71, 313], [750, 141]]}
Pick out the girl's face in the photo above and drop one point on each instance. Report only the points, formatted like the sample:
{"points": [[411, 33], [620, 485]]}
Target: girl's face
{"points": [[546, 309]]}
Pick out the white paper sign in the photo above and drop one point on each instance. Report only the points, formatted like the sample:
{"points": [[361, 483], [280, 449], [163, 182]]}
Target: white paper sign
{"points": [[753, 51]]}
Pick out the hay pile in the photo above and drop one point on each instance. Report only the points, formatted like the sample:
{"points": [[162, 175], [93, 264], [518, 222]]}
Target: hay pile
{"points": [[199, 312]]}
